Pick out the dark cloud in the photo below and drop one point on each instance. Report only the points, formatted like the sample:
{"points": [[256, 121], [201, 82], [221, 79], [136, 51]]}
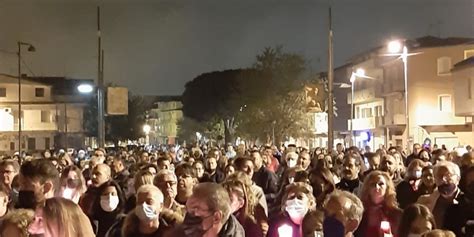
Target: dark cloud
{"points": [[154, 47]]}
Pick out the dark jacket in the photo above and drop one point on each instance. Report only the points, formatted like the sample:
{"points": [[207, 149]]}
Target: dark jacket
{"points": [[457, 216], [380, 214], [87, 201], [268, 181], [231, 228], [121, 178], [217, 177], [406, 195], [348, 185]]}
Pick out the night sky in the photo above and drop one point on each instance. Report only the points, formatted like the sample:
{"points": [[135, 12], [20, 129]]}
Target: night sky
{"points": [[155, 47]]}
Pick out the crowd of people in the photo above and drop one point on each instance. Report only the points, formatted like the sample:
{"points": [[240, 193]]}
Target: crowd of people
{"points": [[238, 191]]}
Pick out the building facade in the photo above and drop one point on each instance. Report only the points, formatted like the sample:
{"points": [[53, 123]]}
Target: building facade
{"points": [[46, 121], [163, 121]]}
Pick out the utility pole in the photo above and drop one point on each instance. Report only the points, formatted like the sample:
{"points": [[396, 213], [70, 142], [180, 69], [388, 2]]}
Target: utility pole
{"points": [[330, 88], [100, 86]]}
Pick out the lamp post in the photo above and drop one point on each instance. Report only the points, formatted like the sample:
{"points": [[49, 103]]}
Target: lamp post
{"points": [[395, 48], [146, 130], [31, 48], [83, 89]]}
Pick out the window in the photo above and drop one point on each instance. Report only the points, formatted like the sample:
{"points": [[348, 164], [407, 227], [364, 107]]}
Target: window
{"points": [[445, 103], [45, 116], [3, 92], [39, 92], [444, 66], [468, 53], [31, 143], [47, 143], [12, 146]]}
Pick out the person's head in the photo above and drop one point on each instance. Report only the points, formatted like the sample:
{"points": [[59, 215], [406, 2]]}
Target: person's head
{"points": [[291, 159], [72, 182], [101, 174], [16, 223], [427, 178], [416, 148], [297, 200], [149, 203], [211, 164], [38, 181], [322, 181], [414, 170], [257, 159], [62, 218], [439, 233], [199, 167], [100, 154], [416, 219], [351, 167], [187, 178], [239, 187], [312, 222], [339, 148], [229, 169], [447, 175], [374, 160], [8, 170], [111, 199], [304, 159], [245, 165], [152, 168], [378, 189], [207, 210], [163, 163], [167, 182], [118, 164], [144, 157], [344, 207], [4, 200], [141, 178], [389, 164]]}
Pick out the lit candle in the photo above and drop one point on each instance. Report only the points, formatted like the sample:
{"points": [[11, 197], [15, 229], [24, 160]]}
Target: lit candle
{"points": [[285, 231]]}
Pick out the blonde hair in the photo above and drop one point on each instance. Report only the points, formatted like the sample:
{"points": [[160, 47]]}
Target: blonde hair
{"points": [[142, 177], [390, 199], [67, 217], [439, 233], [241, 184], [151, 189], [20, 219]]}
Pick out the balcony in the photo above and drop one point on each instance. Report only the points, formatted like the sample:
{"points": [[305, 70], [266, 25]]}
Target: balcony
{"points": [[366, 123]]}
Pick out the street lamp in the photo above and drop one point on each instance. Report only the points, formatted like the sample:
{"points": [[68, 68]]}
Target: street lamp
{"points": [[31, 48], [396, 48]]}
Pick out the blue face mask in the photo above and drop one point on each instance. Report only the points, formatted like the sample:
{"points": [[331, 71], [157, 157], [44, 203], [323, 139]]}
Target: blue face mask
{"points": [[333, 227]]}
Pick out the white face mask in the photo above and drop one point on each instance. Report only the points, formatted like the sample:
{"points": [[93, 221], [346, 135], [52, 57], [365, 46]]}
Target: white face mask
{"points": [[296, 209], [109, 203], [418, 174], [291, 163], [145, 212]]}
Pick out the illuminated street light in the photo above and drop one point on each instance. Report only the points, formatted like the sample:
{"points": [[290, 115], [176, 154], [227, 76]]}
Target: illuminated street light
{"points": [[146, 130], [394, 46], [85, 88]]}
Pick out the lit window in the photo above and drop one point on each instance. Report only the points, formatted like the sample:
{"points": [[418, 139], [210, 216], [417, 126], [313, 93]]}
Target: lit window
{"points": [[468, 53], [444, 66], [445, 103]]}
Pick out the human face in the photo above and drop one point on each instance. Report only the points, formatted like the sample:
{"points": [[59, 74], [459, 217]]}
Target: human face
{"points": [[229, 170], [199, 208], [374, 162], [185, 183], [151, 199], [300, 196], [427, 178], [99, 176], [168, 185], [420, 225], [337, 207], [304, 160], [164, 165], [445, 176], [110, 190], [152, 170], [235, 202], [257, 159], [350, 169], [378, 189], [425, 156], [212, 163], [199, 169], [416, 148], [7, 173], [329, 161], [117, 166], [389, 164], [248, 168], [100, 154], [28, 184]]}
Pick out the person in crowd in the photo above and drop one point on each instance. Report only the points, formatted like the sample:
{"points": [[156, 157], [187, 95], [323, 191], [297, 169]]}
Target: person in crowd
{"points": [[141, 178], [297, 202], [121, 173], [100, 153], [60, 217], [243, 203], [407, 190], [439, 233], [8, 170], [304, 160], [390, 165], [380, 204], [424, 155], [374, 162], [167, 182], [152, 168], [312, 225], [87, 173], [447, 176], [343, 214], [108, 207], [215, 174], [229, 169], [414, 155], [351, 167], [323, 184], [163, 163], [245, 164], [209, 214], [38, 181], [100, 175], [72, 184], [438, 155], [187, 178], [199, 167], [427, 184], [271, 162], [230, 152], [16, 223], [290, 160], [4, 202], [458, 217], [416, 220], [264, 178]]}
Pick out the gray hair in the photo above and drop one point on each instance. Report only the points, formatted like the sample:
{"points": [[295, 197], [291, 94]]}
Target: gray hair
{"points": [[148, 188], [356, 209], [452, 167]]}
